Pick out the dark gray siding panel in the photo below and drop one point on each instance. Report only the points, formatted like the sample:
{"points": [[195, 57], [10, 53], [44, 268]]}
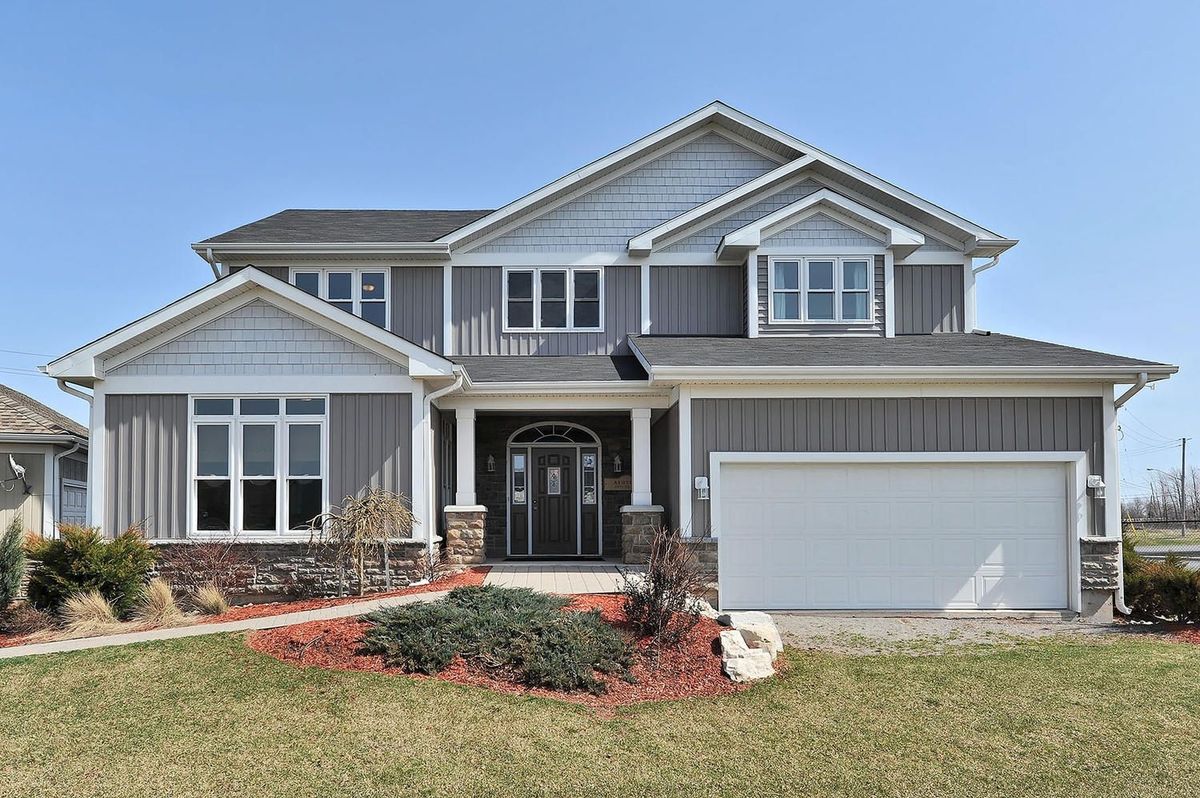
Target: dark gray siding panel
{"points": [[145, 469], [278, 272], [697, 300], [764, 315], [479, 321], [417, 305], [1009, 424], [664, 464], [370, 443], [929, 299]]}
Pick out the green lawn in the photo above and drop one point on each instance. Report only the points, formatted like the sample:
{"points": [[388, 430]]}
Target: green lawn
{"points": [[208, 717]]}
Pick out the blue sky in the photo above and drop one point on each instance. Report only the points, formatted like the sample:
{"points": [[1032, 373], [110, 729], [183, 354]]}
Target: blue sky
{"points": [[131, 130]]}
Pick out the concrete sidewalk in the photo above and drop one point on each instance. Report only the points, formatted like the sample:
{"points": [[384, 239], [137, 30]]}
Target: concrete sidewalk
{"points": [[249, 624]]}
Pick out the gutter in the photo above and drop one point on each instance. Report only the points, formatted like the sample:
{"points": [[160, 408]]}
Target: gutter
{"points": [[216, 270], [1119, 596], [430, 488], [995, 261]]}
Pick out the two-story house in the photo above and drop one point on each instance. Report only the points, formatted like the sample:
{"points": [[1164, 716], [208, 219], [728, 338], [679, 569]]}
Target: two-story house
{"points": [[717, 327]]}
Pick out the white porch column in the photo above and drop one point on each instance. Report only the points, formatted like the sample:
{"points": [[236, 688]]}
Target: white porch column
{"points": [[465, 451], [640, 417]]}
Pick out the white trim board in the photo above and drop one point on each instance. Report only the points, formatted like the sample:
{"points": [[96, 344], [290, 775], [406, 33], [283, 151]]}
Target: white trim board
{"points": [[1075, 462]]}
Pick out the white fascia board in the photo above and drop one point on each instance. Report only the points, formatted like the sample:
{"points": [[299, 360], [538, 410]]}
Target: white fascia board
{"points": [[977, 247], [901, 239], [643, 243], [751, 374], [431, 249], [555, 401], [421, 362]]}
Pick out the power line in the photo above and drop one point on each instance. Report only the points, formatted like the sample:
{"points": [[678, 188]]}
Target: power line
{"points": [[1146, 426], [22, 352]]}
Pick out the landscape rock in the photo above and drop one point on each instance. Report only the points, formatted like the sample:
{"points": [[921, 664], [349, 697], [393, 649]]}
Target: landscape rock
{"points": [[704, 609], [757, 629], [742, 663]]}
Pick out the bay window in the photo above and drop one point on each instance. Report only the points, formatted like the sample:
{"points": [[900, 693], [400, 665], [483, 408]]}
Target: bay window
{"points": [[259, 465], [552, 298], [363, 292], [821, 289]]}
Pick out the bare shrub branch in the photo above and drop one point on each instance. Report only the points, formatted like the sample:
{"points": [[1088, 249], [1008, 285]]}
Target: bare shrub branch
{"points": [[364, 523]]}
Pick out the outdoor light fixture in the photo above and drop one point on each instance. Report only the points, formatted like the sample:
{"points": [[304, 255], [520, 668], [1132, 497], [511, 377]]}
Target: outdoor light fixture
{"points": [[1096, 483], [616, 464], [491, 464]]}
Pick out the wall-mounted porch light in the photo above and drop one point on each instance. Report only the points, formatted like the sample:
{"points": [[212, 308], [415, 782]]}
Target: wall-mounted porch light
{"points": [[491, 464], [616, 464]]}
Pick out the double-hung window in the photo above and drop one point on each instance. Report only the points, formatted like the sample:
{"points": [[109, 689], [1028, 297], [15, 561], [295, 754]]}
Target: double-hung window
{"points": [[258, 465], [363, 292], [553, 298], [821, 289]]}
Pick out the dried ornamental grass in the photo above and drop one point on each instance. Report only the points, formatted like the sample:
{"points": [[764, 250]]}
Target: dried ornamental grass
{"points": [[88, 613], [157, 605], [209, 600]]}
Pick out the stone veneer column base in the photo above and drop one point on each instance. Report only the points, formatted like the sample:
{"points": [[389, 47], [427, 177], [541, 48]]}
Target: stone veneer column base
{"points": [[638, 525], [465, 525], [1099, 575]]}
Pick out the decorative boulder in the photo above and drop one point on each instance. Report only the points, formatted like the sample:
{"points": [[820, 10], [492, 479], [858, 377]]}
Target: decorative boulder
{"points": [[742, 663], [757, 629], [703, 609]]}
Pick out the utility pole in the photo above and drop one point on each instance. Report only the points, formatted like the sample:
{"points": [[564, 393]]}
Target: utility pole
{"points": [[1183, 484]]}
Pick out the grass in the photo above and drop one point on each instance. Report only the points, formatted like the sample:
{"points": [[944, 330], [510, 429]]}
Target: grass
{"points": [[206, 716], [1167, 537]]}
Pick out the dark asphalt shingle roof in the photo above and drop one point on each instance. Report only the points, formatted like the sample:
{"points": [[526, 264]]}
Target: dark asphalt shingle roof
{"points": [[552, 368], [24, 415], [301, 226], [949, 349]]}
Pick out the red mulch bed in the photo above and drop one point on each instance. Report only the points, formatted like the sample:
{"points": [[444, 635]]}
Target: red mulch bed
{"points": [[1189, 636], [690, 670], [468, 578]]}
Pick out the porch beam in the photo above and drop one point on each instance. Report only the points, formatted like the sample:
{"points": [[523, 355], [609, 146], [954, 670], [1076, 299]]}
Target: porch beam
{"points": [[640, 418], [465, 456]]}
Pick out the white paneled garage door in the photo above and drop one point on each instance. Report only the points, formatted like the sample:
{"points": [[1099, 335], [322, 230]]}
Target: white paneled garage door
{"points": [[952, 535]]}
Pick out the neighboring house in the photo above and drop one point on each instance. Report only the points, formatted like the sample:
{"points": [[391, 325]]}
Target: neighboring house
{"points": [[50, 452], [719, 327]]}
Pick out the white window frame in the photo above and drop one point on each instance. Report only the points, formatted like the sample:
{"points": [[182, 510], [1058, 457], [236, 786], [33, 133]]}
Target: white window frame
{"points": [[281, 421], [838, 289], [536, 271], [356, 273]]}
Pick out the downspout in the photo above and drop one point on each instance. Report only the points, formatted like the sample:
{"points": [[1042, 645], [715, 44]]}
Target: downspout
{"points": [[212, 264], [980, 269], [1119, 597], [87, 397], [431, 497]]}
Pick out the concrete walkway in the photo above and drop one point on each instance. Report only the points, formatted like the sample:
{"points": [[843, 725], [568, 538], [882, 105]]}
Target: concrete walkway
{"points": [[249, 624]]}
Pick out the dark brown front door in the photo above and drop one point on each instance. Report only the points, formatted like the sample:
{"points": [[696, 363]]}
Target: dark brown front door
{"points": [[555, 502]]}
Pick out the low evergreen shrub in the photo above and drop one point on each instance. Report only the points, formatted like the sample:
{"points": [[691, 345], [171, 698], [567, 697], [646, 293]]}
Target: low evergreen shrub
{"points": [[1166, 590], [79, 559], [513, 633]]}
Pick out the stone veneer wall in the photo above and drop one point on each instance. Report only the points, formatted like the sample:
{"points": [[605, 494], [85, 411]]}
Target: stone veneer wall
{"points": [[491, 490], [1099, 560], [273, 571]]}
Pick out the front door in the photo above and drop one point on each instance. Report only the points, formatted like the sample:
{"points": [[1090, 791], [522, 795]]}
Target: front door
{"points": [[555, 502]]}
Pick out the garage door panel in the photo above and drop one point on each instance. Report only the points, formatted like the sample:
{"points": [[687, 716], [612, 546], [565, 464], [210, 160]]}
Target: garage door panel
{"points": [[920, 536]]}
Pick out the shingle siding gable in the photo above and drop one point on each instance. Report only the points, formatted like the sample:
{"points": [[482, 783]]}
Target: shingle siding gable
{"points": [[606, 218]]}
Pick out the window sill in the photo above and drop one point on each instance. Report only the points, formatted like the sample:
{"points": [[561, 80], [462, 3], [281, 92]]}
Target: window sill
{"points": [[545, 330], [811, 322]]}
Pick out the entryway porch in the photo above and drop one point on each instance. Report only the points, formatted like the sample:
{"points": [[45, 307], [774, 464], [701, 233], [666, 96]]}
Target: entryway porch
{"points": [[564, 578]]}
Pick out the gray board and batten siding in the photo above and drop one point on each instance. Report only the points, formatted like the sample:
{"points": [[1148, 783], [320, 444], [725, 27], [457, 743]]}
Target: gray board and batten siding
{"points": [[146, 467], [955, 424], [929, 299], [697, 300], [477, 310]]}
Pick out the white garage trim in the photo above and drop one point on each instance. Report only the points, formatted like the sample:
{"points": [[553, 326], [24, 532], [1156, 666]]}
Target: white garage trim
{"points": [[1075, 463]]}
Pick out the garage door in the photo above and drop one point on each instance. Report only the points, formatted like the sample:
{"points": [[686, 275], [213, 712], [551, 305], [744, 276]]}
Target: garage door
{"points": [[892, 536]]}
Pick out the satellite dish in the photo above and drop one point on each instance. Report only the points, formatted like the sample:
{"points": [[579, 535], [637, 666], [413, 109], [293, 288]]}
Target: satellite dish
{"points": [[18, 473]]}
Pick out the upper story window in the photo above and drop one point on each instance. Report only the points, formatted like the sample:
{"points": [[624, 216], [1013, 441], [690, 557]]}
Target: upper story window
{"points": [[363, 292], [822, 289], [258, 465], [553, 298]]}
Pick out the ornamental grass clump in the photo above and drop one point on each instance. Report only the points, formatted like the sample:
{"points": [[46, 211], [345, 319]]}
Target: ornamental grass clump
{"points": [[157, 606], [510, 633], [209, 600], [88, 613]]}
